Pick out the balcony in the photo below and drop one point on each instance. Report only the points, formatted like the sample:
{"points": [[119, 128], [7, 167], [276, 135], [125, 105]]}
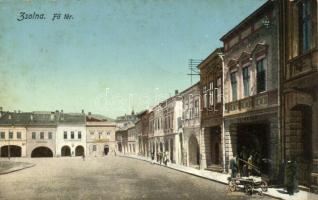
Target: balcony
{"points": [[256, 102], [302, 65]]}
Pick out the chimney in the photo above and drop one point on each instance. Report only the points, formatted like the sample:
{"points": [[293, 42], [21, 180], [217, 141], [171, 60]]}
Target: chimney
{"points": [[176, 92], [52, 116]]}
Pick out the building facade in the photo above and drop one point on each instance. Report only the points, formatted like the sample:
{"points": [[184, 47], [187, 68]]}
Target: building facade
{"points": [[142, 128], [132, 141], [211, 87], [41, 134], [299, 75], [71, 134], [100, 135], [13, 137], [251, 121], [191, 121]]}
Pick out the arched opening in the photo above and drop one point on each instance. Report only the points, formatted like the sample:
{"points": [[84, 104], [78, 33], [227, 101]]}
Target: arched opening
{"points": [[194, 151], [12, 150], [106, 150], [79, 151], [304, 140], [66, 151], [41, 152]]}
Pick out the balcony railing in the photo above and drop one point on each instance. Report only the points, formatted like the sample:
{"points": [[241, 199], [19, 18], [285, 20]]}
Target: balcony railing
{"points": [[259, 101], [302, 64]]}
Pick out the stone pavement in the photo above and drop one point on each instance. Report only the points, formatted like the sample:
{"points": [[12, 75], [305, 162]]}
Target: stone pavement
{"points": [[279, 193]]}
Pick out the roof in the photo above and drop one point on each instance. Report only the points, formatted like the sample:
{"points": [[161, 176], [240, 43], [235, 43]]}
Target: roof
{"points": [[13, 118], [72, 118], [216, 52], [98, 118], [189, 88], [248, 19], [43, 118]]}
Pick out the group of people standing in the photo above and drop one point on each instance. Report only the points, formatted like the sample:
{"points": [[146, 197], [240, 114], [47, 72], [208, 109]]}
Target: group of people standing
{"points": [[162, 157]]}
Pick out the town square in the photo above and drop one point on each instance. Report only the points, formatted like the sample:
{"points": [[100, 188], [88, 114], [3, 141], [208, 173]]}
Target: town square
{"points": [[101, 107]]}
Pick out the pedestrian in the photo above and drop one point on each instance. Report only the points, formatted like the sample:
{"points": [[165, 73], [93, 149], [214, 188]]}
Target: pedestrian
{"points": [[233, 167], [290, 177], [250, 165], [166, 158], [160, 157], [152, 157], [115, 152], [83, 156]]}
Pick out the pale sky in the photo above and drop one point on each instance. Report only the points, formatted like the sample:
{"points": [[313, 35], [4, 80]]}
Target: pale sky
{"points": [[113, 56]]}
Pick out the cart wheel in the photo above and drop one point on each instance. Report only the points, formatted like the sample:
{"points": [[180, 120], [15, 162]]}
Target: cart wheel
{"points": [[260, 193], [248, 189], [232, 186], [264, 186]]}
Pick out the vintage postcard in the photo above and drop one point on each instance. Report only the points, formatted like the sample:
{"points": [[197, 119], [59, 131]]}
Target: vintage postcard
{"points": [[158, 99]]}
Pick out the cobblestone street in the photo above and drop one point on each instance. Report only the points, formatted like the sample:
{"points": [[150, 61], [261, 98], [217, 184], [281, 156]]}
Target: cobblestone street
{"points": [[107, 178]]}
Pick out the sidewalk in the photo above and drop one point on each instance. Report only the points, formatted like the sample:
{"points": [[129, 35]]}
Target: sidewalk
{"points": [[12, 166], [278, 193]]}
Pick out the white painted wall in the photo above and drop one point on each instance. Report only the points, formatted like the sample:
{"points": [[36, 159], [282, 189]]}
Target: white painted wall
{"points": [[72, 143]]}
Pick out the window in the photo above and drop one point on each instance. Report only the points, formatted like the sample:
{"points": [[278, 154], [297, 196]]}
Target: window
{"points": [[99, 134], [91, 132], [79, 135], [108, 133], [204, 97], [50, 135], [219, 90], [65, 134], [18, 135], [260, 76], [211, 94], [33, 135], [304, 8], [10, 135], [2, 135], [234, 86], [94, 147], [42, 135], [72, 134], [246, 81]]}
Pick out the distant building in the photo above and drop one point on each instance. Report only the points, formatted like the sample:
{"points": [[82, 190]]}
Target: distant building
{"points": [[71, 134], [132, 141], [191, 143], [100, 133], [13, 134], [41, 134]]}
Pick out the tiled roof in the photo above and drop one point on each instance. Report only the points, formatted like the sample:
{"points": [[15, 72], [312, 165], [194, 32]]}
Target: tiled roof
{"points": [[43, 118], [98, 118], [71, 118], [13, 118]]}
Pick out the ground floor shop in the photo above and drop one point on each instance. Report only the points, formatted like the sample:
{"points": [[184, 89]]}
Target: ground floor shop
{"points": [[256, 137], [13, 148], [100, 148]]}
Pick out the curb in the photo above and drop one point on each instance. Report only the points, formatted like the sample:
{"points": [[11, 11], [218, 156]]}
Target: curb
{"points": [[266, 194], [18, 169]]}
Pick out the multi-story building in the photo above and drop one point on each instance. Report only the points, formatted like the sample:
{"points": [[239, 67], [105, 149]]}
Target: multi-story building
{"points": [[142, 129], [299, 75], [158, 134], [41, 134], [211, 86], [13, 134], [172, 127], [190, 146], [100, 135], [151, 139], [251, 90], [71, 134], [132, 140]]}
